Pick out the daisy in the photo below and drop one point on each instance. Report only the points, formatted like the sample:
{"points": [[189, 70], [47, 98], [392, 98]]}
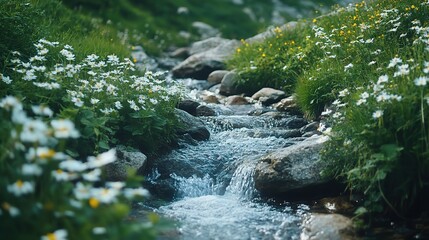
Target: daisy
{"points": [[60, 234], [64, 128], [20, 188]]}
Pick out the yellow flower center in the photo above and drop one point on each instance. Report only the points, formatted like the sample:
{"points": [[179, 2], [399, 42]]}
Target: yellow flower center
{"points": [[51, 236], [94, 203], [19, 183], [48, 154]]}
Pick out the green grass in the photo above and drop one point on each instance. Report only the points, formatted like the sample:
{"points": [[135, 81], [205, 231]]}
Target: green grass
{"points": [[344, 62]]}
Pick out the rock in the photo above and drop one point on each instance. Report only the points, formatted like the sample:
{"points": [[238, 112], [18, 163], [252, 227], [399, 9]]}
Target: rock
{"points": [[204, 110], [191, 125], [206, 45], [127, 158], [213, 110], [311, 127], [188, 106], [236, 100], [296, 123], [328, 226], [142, 60], [278, 133], [180, 53], [340, 204], [269, 96], [167, 62], [288, 105], [292, 168], [216, 76], [229, 84], [270, 33], [200, 65], [210, 99], [205, 30], [312, 133], [215, 88]]}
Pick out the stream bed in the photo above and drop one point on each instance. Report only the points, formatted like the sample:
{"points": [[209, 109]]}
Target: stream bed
{"points": [[215, 197]]}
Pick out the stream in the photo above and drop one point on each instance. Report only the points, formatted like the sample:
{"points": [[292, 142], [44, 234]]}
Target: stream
{"points": [[215, 197]]}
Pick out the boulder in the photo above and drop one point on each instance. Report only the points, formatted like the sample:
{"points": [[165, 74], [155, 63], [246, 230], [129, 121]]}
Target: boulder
{"points": [[217, 76], [206, 45], [269, 96], [205, 30], [328, 226], [311, 127], [236, 100], [213, 110], [127, 158], [229, 84], [296, 167], [188, 106], [180, 53], [271, 32], [200, 65], [204, 110], [191, 125], [210, 99]]}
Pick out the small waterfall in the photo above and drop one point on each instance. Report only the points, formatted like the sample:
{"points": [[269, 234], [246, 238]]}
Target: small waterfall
{"points": [[242, 183], [194, 186]]}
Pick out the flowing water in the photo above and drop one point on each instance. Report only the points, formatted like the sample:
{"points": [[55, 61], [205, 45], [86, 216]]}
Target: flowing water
{"points": [[215, 197]]}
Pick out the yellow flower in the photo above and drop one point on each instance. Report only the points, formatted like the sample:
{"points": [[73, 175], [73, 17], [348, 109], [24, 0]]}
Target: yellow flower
{"points": [[263, 55], [314, 20], [238, 50]]}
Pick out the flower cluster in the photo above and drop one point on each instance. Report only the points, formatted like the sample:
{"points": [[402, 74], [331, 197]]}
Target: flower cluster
{"points": [[41, 184]]}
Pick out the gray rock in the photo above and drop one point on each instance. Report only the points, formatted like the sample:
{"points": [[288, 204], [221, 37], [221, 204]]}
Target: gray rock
{"points": [[127, 158], [200, 65], [205, 30], [271, 33], [328, 226], [236, 100], [206, 45], [295, 123], [269, 96], [204, 110], [229, 84], [191, 125], [216, 76], [311, 127], [292, 168], [288, 105], [188, 106], [180, 53], [213, 110]]}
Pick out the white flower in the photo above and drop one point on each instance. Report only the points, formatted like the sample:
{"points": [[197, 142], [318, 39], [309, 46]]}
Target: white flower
{"points": [[383, 79], [394, 62], [60, 175], [116, 185], [102, 159], [426, 68], [131, 193], [42, 110], [383, 97], [34, 131], [377, 114], [99, 230], [372, 63], [31, 170], [20, 188], [72, 165], [10, 102], [421, 81], [68, 54], [402, 70], [6, 79], [326, 112], [77, 101], [133, 105], [60, 234], [81, 191], [92, 176], [105, 195], [360, 102], [347, 67], [13, 211], [64, 128], [118, 105], [344, 93], [94, 101]]}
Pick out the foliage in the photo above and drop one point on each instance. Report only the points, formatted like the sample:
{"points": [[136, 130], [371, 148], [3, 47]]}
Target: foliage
{"points": [[47, 194], [102, 96], [365, 72]]}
